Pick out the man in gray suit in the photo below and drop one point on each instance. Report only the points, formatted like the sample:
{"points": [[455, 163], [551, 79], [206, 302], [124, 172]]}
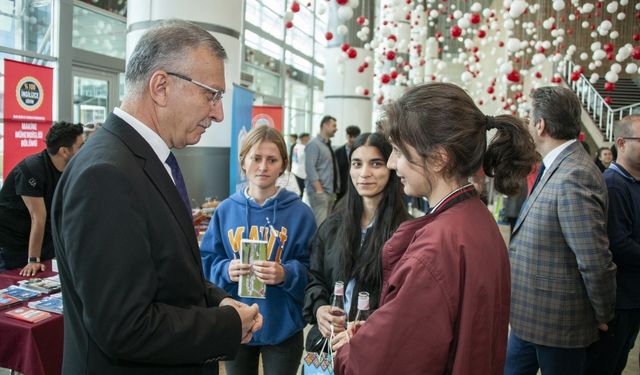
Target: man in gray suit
{"points": [[563, 279]]}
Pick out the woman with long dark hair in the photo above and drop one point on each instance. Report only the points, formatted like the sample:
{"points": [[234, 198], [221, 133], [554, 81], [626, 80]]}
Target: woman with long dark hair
{"points": [[348, 245], [444, 307]]}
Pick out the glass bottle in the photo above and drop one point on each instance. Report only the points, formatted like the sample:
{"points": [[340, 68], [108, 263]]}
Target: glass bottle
{"points": [[337, 305], [363, 311]]}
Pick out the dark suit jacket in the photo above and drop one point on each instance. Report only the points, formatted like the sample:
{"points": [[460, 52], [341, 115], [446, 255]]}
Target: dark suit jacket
{"points": [[343, 169], [562, 276], [135, 298]]}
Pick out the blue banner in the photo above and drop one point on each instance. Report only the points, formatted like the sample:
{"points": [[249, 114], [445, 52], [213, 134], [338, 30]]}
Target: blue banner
{"points": [[240, 125]]}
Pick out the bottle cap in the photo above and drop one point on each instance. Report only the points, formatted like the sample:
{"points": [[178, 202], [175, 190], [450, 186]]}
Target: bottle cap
{"points": [[338, 288], [363, 301]]}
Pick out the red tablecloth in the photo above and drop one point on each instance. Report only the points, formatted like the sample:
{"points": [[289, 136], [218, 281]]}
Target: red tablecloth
{"points": [[31, 348]]}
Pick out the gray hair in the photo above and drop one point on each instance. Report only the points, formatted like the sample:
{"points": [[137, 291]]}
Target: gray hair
{"points": [[164, 47], [624, 127], [560, 108]]}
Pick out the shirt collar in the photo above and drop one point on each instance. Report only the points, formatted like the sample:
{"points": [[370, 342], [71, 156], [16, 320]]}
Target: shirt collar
{"points": [[553, 154], [153, 139], [246, 195], [621, 171]]}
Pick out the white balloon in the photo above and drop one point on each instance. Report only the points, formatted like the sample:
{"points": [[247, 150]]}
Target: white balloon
{"points": [[558, 5], [592, 66], [466, 76], [584, 56], [631, 68], [624, 2], [321, 9], [612, 7], [598, 63], [606, 25], [614, 35], [359, 90], [616, 68], [572, 17], [513, 44], [345, 13], [587, 8], [464, 22], [288, 16], [517, 8], [611, 76], [594, 78], [342, 30], [457, 14], [538, 59], [476, 7], [621, 16]]}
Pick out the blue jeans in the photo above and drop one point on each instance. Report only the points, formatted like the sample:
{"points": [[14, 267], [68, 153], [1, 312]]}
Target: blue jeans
{"points": [[608, 355], [525, 358], [281, 359]]}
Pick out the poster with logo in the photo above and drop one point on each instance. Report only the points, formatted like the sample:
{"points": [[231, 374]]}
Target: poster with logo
{"points": [[240, 126], [267, 115], [28, 103]]}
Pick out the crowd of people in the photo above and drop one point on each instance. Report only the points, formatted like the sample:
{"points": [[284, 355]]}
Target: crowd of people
{"points": [[447, 295]]}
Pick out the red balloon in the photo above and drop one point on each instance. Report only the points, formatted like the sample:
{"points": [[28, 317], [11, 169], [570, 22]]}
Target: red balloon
{"points": [[289, 25], [365, 65], [394, 74], [361, 20], [328, 35], [636, 53], [609, 86], [385, 78], [360, 69], [366, 92], [538, 75], [345, 47], [608, 100], [456, 31], [481, 34], [490, 90], [608, 47], [295, 7], [438, 34], [636, 37], [352, 53], [342, 2], [514, 76], [575, 76], [500, 44], [391, 55], [556, 79], [610, 56], [475, 18]]}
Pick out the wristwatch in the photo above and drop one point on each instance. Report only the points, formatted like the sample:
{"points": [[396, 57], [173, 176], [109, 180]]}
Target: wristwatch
{"points": [[34, 260]]}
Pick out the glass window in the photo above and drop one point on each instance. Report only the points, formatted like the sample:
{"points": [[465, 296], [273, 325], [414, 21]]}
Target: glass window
{"points": [[100, 33], [264, 81], [263, 45], [298, 62], [300, 41], [27, 25], [90, 99], [265, 18], [118, 7]]}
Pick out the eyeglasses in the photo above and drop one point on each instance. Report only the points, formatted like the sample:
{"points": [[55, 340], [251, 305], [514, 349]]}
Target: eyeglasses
{"points": [[216, 95]]}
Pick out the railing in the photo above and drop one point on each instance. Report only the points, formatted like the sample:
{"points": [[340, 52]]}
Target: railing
{"points": [[603, 115]]}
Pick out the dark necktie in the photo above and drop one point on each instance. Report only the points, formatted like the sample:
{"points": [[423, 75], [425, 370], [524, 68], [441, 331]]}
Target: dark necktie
{"points": [[179, 180], [336, 178], [538, 177]]}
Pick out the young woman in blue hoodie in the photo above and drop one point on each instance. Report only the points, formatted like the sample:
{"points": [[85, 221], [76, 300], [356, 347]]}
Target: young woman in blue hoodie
{"points": [[263, 211]]}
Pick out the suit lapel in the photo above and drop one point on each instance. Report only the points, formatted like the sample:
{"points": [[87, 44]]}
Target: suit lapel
{"points": [[538, 189], [154, 169]]}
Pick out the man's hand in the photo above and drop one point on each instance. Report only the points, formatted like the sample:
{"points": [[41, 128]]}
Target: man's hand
{"points": [[236, 268], [249, 316], [31, 269], [271, 273], [604, 327], [328, 322]]}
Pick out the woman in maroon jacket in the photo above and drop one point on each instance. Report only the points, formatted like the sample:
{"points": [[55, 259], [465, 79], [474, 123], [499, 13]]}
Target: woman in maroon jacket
{"points": [[446, 288]]}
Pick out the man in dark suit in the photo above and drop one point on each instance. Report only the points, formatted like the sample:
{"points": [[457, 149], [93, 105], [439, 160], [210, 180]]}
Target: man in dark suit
{"points": [[562, 277], [342, 158], [135, 298]]}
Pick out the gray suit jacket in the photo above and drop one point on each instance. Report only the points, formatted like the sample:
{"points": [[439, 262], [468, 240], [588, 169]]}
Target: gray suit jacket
{"points": [[562, 275], [135, 298]]}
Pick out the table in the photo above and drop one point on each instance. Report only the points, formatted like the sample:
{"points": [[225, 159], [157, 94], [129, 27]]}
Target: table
{"points": [[31, 348]]}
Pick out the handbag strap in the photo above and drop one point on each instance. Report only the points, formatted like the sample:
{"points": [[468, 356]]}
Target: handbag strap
{"points": [[456, 324]]}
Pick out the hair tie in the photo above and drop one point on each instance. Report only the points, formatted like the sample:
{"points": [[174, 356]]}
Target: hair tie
{"points": [[489, 123]]}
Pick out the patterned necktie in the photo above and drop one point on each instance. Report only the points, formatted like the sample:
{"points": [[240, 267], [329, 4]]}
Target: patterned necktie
{"points": [[538, 177], [179, 180]]}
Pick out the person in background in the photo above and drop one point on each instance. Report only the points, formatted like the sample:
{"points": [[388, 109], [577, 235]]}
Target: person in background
{"points": [[604, 158], [297, 162], [293, 141], [444, 307], [135, 298], [342, 158], [25, 201], [263, 211], [563, 280], [608, 355], [90, 129], [348, 245], [323, 181]]}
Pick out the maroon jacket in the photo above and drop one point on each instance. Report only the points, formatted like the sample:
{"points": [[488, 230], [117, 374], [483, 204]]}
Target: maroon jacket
{"points": [[448, 266]]}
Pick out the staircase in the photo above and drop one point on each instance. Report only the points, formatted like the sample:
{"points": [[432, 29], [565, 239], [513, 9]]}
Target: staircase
{"points": [[625, 93], [625, 100]]}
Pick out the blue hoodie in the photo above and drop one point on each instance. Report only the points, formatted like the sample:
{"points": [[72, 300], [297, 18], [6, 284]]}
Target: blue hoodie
{"points": [[295, 226]]}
